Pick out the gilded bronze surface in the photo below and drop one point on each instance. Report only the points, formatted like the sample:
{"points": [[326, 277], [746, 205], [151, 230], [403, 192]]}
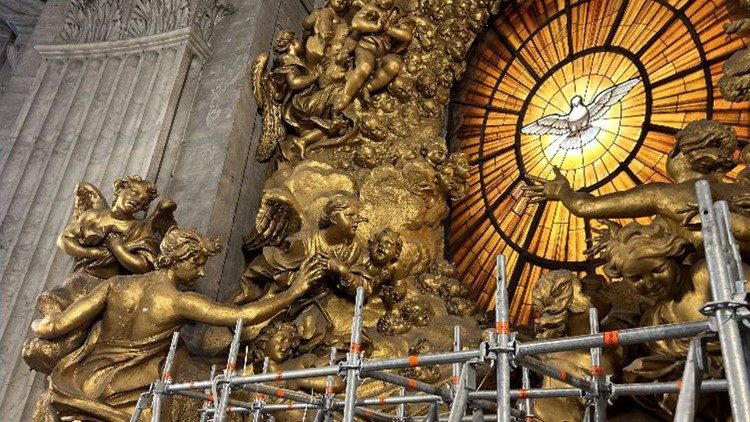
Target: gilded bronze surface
{"points": [[352, 119]]}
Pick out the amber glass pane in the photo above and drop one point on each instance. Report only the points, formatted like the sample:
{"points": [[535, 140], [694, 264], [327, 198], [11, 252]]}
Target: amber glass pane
{"points": [[530, 63]]}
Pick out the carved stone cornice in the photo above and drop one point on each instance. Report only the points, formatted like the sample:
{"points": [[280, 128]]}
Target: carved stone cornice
{"points": [[93, 21], [188, 36]]}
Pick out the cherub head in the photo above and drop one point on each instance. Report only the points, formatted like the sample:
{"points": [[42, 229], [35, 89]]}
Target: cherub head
{"points": [[287, 42], [427, 82], [374, 127], [366, 156], [707, 146], [434, 150], [132, 195], [391, 323], [555, 295], [338, 6], [417, 313], [461, 306], [646, 255], [277, 340], [385, 247], [341, 216], [184, 252]]}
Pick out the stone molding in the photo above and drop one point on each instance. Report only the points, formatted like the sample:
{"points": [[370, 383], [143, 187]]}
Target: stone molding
{"points": [[188, 36], [94, 21]]}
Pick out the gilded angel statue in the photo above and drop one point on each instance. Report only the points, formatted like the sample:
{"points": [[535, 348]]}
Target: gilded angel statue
{"points": [[704, 151], [124, 350], [104, 241]]}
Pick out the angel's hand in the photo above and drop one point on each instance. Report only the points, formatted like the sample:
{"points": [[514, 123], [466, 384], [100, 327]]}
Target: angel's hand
{"points": [[99, 253], [114, 240], [310, 272], [689, 212], [600, 240], [337, 266], [546, 190]]}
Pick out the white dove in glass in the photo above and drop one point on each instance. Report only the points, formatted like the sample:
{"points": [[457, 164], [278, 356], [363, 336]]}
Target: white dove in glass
{"points": [[575, 129]]}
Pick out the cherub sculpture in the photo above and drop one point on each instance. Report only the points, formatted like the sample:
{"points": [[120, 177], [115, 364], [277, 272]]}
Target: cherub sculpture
{"points": [[104, 241], [653, 258], [124, 351], [704, 151], [279, 341], [379, 30], [271, 89], [561, 309]]}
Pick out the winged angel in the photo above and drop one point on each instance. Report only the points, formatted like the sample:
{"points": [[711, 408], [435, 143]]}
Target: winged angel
{"points": [[576, 128], [105, 241]]}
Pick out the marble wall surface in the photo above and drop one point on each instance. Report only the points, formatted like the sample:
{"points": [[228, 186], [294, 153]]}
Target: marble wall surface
{"points": [[96, 100]]}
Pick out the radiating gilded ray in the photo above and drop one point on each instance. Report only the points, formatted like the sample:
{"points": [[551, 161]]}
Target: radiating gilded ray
{"points": [[679, 94]]}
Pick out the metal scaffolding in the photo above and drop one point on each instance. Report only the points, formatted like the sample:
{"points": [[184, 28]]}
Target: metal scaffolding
{"points": [[727, 316]]}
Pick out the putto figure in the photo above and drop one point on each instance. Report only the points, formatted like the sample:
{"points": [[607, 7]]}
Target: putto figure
{"points": [[133, 318], [105, 241]]}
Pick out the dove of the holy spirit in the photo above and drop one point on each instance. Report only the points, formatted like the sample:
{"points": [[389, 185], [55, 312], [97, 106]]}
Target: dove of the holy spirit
{"points": [[576, 129]]}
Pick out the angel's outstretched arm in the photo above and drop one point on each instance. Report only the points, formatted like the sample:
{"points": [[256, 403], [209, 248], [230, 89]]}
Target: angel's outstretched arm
{"points": [[640, 201], [133, 262], [68, 242], [79, 314], [200, 308]]}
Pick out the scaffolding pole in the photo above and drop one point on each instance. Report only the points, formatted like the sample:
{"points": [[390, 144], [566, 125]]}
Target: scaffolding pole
{"points": [[229, 371], [598, 378], [503, 350], [717, 238], [353, 358], [166, 378]]}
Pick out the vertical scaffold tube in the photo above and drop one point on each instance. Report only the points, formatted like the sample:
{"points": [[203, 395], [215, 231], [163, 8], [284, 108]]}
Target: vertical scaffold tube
{"points": [[210, 400], [690, 385], [166, 378], [226, 389], [597, 372], [354, 357], [456, 366], [722, 289], [528, 404], [502, 330]]}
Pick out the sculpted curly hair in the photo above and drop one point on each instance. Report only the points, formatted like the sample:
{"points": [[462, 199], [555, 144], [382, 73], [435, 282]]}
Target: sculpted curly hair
{"points": [[337, 203], [123, 183], [179, 245], [267, 333], [283, 40], [556, 294], [709, 146], [660, 238]]}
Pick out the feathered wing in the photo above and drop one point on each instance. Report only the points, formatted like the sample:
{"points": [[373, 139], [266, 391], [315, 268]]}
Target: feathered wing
{"points": [[273, 131], [162, 219], [553, 124], [259, 73], [278, 217], [610, 97], [87, 196]]}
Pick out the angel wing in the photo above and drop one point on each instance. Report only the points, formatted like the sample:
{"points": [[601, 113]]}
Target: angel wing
{"points": [[278, 217], [273, 131], [162, 219], [553, 124], [87, 197], [259, 74], [610, 97]]}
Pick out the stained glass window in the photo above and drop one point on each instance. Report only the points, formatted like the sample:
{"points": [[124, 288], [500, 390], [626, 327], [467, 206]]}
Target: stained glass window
{"points": [[531, 62]]}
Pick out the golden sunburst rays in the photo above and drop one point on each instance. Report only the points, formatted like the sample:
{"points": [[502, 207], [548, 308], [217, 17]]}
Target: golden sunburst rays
{"points": [[530, 63]]}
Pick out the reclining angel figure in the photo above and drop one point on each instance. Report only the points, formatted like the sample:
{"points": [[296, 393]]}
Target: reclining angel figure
{"points": [[134, 317]]}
